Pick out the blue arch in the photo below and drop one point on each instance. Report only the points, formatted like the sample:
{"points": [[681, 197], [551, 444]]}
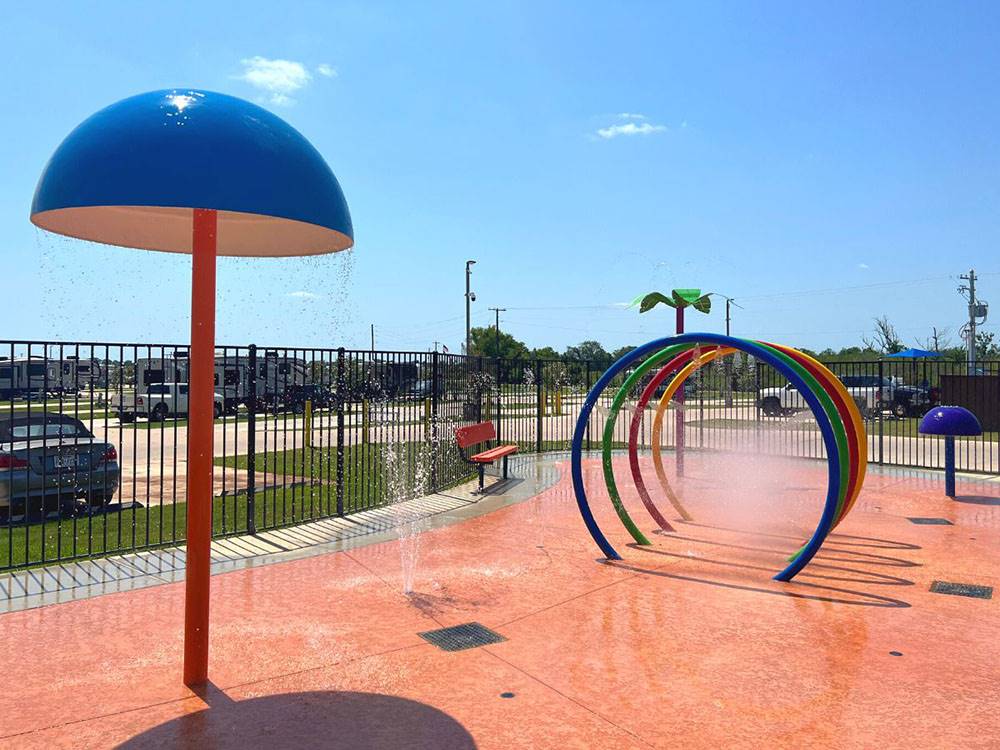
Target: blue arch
{"points": [[762, 353]]}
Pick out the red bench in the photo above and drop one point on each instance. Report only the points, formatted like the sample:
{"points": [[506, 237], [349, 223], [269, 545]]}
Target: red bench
{"points": [[476, 434]]}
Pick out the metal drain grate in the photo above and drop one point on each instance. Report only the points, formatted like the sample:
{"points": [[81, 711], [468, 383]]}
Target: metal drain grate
{"points": [[461, 637], [962, 589], [931, 521]]}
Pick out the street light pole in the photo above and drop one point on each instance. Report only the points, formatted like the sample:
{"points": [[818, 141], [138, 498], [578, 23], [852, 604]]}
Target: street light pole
{"points": [[469, 297]]}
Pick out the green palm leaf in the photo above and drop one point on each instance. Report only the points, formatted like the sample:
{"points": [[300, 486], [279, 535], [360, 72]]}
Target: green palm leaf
{"points": [[649, 301], [678, 298], [703, 304]]}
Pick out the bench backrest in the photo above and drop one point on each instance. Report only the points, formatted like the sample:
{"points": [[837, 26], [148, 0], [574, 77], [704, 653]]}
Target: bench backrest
{"points": [[475, 434]]}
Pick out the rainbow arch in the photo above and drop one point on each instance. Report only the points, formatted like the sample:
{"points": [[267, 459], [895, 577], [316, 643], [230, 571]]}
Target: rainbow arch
{"points": [[835, 411]]}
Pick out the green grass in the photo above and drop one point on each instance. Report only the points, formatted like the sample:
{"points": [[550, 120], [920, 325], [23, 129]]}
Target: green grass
{"points": [[310, 494]]}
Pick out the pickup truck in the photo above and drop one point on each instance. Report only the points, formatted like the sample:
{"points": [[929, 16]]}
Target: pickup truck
{"points": [[871, 393], [158, 401]]}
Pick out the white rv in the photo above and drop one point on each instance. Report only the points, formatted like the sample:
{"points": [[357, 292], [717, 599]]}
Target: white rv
{"points": [[232, 376], [23, 376], [80, 374]]}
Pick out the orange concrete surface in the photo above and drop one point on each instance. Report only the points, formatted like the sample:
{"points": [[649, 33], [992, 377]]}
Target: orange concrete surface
{"points": [[684, 644]]}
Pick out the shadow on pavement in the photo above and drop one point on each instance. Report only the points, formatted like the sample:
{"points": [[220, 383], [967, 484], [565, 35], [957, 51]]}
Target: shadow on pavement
{"points": [[977, 499], [320, 719]]}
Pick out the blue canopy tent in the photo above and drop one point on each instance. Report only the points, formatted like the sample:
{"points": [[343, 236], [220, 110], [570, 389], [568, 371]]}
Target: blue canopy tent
{"points": [[914, 354]]}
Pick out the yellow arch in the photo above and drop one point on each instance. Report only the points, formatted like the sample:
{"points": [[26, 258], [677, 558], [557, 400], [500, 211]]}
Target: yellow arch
{"points": [[705, 358], [661, 408]]}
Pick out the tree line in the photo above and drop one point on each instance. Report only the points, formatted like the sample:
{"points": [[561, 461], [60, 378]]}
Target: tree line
{"points": [[883, 340]]}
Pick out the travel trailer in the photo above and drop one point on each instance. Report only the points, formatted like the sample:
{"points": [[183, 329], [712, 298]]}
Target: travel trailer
{"points": [[232, 376], [76, 374], [24, 376]]}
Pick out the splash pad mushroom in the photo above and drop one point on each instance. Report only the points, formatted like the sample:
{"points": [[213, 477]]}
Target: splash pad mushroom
{"points": [[950, 422], [191, 171]]}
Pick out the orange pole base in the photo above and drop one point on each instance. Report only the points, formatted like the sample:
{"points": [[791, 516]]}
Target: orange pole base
{"points": [[201, 401]]}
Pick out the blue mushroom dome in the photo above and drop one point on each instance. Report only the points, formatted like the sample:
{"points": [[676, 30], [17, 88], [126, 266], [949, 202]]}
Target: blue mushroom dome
{"points": [[131, 174], [950, 420]]}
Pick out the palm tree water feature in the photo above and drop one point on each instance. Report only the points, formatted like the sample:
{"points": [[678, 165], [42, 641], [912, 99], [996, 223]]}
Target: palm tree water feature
{"points": [[836, 413], [191, 171], [679, 299]]}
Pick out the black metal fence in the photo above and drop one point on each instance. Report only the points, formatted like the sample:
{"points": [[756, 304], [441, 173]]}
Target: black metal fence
{"points": [[93, 436]]}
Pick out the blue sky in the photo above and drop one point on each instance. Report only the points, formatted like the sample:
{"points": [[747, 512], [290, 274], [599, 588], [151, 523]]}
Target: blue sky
{"points": [[823, 164]]}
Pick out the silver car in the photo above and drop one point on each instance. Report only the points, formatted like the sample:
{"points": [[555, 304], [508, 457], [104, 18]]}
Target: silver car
{"points": [[48, 461]]}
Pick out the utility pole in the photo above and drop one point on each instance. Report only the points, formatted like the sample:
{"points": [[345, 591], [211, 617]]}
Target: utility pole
{"points": [[730, 303], [498, 310], [470, 297], [977, 309], [373, 338], [728, 372]]}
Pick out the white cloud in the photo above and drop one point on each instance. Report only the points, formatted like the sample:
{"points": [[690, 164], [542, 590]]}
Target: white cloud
{"points": [[277, 79], [863, 266], [631, 116], [326, 70], [302, 294], [629, 128]]}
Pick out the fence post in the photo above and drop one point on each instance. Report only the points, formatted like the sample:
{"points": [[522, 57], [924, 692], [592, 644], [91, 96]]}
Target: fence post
{"points": [[586, 391], [479, 396], [540, 406], [341, 391], [366, 422], [757, 372], [252, 441], [435, 374], [879, 410], [499, 414]]}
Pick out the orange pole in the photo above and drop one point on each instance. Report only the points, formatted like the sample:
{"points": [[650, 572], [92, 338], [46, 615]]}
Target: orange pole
{"points": [[679, 414], [201, 402]]}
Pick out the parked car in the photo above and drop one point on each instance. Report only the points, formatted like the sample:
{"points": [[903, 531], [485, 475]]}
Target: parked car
{"points": [[49, 460], [423, 389], [159, 401], [870, 393], [321, 396], [914, 400], [690, 387]]}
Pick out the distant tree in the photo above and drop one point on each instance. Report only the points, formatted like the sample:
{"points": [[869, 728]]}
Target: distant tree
{"points": [[545, 352], [885, 339], [620, 352], [986, 346], [485, 344], [589, 351], [938, 341]]}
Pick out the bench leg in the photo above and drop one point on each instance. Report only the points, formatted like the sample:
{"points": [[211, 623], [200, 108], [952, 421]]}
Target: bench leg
{"points": [[505, 467], [482, 471]]}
